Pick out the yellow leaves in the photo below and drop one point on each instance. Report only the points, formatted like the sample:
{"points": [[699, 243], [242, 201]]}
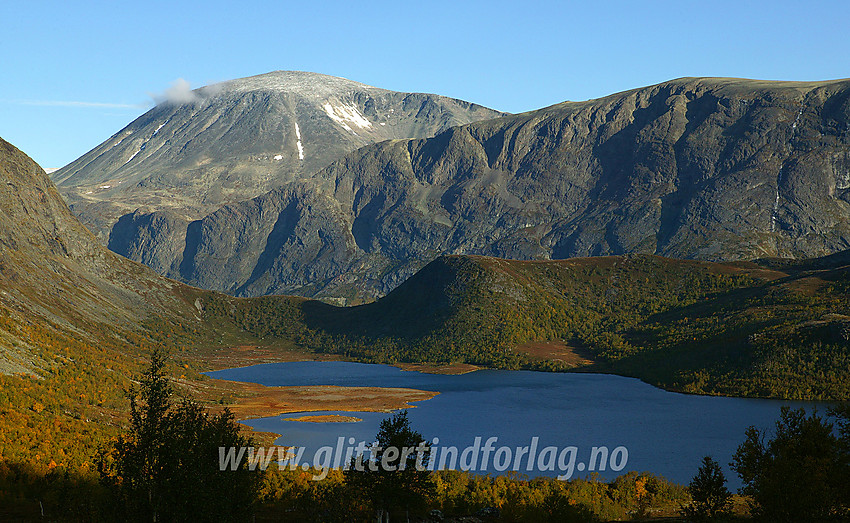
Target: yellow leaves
{"points": [[37, 407], [640, 488], [335, 476]]}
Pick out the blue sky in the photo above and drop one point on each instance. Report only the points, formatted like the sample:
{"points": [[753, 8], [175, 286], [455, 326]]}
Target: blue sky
{"points": [[74, 73]]}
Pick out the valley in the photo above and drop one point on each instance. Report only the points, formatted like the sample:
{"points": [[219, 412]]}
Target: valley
{"points": [[435, 253], [78, 314]]}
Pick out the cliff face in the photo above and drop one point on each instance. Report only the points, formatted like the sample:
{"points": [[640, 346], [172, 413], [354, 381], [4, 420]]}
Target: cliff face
{"points": [[235, 140], [713, 169]]}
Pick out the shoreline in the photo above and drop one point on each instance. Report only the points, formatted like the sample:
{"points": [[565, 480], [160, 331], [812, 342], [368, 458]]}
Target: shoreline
{"points": [[252, 400], [260, 401]]}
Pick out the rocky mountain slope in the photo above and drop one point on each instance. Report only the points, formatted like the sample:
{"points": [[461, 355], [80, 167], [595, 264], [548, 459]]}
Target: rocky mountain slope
{"points": [[705, 168], [56, 278], [238, 139]]}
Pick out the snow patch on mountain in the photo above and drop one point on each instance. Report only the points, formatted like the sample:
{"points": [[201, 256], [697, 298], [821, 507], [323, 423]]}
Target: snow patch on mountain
{"points": [[300, 147], [344, 114]]}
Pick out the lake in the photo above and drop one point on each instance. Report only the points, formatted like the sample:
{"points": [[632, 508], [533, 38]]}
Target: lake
{"points": [[662, 432]]}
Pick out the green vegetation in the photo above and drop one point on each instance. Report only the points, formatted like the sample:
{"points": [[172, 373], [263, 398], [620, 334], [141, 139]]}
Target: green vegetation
{"points": [[400, 483], [456, 494], [51, 422], [711, 498], [801, 474], [165, 468], [697, 327]]}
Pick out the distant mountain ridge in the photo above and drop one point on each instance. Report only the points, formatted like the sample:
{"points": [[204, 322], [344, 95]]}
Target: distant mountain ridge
{"points": [[704, 168], [238, 139]]}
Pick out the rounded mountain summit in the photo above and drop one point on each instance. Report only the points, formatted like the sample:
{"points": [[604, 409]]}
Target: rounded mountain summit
{"points": [[238, 139]]}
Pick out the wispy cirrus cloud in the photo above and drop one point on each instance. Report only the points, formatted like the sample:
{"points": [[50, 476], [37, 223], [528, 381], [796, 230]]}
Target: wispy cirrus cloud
{"points": [[180, 92], [73, 103]]}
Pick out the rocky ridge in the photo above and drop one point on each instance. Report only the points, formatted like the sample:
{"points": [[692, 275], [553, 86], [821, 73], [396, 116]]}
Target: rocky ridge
{"points": [[704, 168]]}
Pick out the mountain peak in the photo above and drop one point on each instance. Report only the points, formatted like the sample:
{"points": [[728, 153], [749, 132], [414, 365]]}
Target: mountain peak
{"points": [[301, 82], [238, 139]]}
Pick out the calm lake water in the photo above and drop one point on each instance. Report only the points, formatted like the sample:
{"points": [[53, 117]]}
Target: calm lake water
{"points": [[665, 433]]}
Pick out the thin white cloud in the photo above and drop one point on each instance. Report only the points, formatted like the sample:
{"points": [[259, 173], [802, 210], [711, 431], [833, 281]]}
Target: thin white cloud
{"points": [[180, 92], [71, 103]]}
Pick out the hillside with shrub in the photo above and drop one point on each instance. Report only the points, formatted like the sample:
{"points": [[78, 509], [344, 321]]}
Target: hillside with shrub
{"points": [[768, 329]]}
